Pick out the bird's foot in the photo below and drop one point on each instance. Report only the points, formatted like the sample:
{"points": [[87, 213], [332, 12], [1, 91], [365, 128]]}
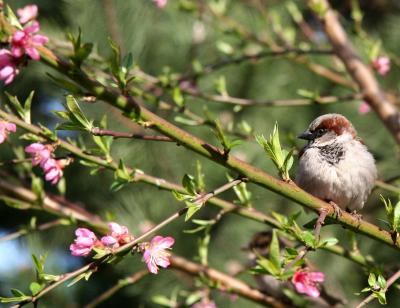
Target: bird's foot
{"points": [[357, 216], [337, 211]]}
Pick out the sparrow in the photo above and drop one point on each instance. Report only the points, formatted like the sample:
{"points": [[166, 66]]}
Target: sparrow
{"points": [[335, 165]]}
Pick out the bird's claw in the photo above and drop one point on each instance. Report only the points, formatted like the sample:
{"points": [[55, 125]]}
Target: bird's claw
{"points": [[337, 211]]}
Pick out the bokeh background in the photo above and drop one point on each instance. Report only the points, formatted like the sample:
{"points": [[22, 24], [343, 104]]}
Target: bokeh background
{"points": [[171, 38]]}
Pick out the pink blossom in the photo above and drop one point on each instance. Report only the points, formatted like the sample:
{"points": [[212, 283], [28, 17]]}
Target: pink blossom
{"points": [[53, 170], [120, 233], [40, 153], [205, 303], [155, 253], [25, 42], [84, 242], [109, 241], [5, 129], [305, 282], [119, 236], [381, 65], [8, 66], [364, 108], [27, 13], [117, 230], [160, 3]]}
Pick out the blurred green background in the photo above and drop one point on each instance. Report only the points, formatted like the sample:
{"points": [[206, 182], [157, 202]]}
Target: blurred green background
{"points": [[160, 39]]}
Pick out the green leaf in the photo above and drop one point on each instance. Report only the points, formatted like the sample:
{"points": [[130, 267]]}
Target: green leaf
{"points": [[17, 292], [82, 53], [122, 172], [16, 105], [220, 86], [76, 279], [200, 177], [269, 266], [117, 185], [192, 209], [70, 126], [372, 280], [178, 97], [190, 185], [62, 114], [287, 164], [309, 239], [35, 287], [396, 217], [329, 242], [181, 197], [12, 19], [30, 137], [225, 47], [116, 57], [27, 108], [381, 282], [163, 301], [14, 299], [127, 61], [49, 277], [195, 230], [104, 143], [274, 251], [381, 297], [73, 107], [203, 248], [186, 121], [38, 189], [15, 203], [47, 132], [203, 222]]}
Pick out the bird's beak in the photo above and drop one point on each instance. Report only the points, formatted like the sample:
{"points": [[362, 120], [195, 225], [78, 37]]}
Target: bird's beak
{"points": [[306, 135]]}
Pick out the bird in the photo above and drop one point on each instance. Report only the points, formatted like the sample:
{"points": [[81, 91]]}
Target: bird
{"points": [[335, 165]]}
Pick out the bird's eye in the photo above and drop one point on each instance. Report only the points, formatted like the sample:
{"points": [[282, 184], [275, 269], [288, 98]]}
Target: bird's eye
{"points": [[320, 132]]}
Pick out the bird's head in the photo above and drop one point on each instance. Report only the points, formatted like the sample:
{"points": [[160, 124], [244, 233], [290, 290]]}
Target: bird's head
{"points": [[329, 128]]}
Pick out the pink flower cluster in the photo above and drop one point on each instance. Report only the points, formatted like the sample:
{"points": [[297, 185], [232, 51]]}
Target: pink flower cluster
{"points": [[24, 41], [306, 282], [84, 242], [42, 155], [5, 129], [381, 65], [155, 253], [119, 236]]}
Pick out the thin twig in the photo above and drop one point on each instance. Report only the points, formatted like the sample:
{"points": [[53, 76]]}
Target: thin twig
{"points": [[128, 281], [209, 68], [26, 230], [96, 131]]}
